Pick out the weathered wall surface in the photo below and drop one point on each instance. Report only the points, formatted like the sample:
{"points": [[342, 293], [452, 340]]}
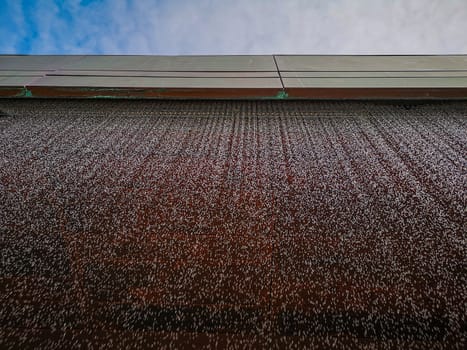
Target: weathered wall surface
{"points": [[267, 223]]}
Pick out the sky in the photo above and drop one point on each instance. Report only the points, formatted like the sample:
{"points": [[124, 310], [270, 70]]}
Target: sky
{"points": [[176, 27]]}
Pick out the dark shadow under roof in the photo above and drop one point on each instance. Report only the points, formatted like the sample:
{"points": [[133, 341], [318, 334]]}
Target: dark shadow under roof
{"points": [[235, 77]]}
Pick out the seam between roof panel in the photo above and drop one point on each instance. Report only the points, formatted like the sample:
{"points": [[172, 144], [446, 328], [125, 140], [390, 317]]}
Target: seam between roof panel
{"points": [[283, 93]]}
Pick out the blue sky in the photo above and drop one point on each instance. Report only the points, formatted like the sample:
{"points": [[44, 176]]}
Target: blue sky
{"points": [[233, 27]]}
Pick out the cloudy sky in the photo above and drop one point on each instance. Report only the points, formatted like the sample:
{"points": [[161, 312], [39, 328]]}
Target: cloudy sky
{"points": [[233, 27]]}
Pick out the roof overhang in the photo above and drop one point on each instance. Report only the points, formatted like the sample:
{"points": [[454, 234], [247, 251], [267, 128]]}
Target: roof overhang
{"points": [[235, 77]]}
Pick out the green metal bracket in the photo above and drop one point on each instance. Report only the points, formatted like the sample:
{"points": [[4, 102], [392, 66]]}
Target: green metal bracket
{"points": [[282, 95], [24, 93]]}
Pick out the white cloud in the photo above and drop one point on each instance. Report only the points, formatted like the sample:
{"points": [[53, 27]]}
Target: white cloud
{"points": [[252, 27], [10, 39]]}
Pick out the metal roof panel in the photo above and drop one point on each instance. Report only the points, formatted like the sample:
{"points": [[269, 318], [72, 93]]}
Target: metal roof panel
{"points": [[18, 73], [42, 62], [451, 82], [177, 63], [372, 74], [371, 63], [169, 74], [16, 80], [152, 82]]}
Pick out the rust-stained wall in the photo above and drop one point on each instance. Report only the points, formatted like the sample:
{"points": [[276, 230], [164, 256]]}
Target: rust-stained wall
{"points": [[258, 223]]}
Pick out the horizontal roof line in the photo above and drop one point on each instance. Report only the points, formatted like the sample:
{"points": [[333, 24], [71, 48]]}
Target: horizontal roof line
{"points": [[243, 76]]}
